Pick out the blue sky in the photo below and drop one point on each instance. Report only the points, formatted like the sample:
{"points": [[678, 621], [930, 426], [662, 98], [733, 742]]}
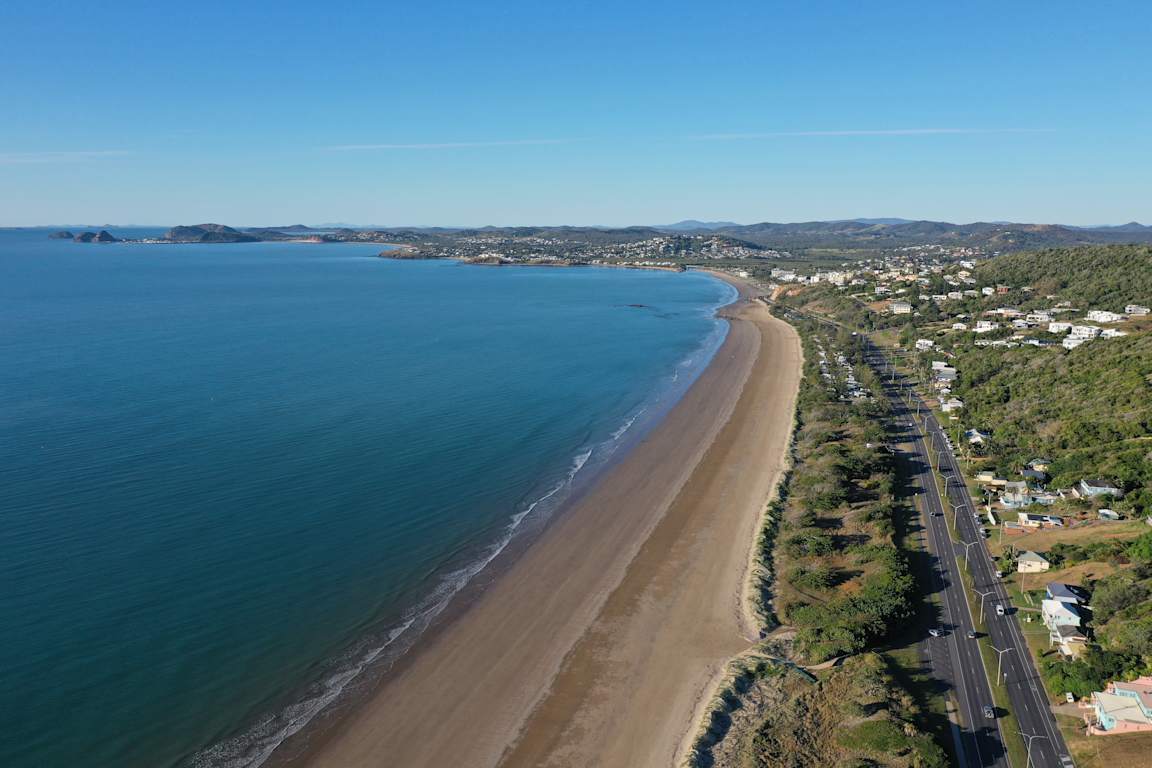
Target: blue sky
{"points": [[467, 113]]}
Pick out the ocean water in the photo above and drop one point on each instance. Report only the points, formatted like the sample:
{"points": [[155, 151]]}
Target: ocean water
{"points": [[233, 476]]}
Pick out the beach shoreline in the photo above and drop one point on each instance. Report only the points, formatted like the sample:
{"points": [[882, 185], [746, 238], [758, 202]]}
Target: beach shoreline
{"points": [[497, 672]]}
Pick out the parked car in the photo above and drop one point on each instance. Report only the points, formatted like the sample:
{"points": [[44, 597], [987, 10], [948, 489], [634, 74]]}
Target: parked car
{"points": [[934, 632], [1069, 697]]}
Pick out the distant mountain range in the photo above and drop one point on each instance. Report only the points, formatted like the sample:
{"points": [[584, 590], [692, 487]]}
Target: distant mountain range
{"points": [[887, 233], [875, 233]]}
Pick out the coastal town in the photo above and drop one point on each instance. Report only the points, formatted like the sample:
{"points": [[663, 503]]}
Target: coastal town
{"points": [[1039, 384]]}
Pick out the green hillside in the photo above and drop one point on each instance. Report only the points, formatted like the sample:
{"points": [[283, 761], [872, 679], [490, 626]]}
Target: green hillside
{"points": [[1103, 276]]}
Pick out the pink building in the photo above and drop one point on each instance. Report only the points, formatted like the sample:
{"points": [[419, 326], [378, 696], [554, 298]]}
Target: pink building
{"points": [[1122, 708]]}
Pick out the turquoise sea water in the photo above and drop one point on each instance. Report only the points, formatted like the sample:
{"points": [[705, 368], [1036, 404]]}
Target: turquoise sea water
{"points": [[233, 475]]}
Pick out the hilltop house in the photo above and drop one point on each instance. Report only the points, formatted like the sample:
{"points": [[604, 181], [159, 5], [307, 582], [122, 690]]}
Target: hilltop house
{"points": [[1104, 316], [1092, 487], [1121, 708], [1136, 309], [1031, 562], [977, 437]]}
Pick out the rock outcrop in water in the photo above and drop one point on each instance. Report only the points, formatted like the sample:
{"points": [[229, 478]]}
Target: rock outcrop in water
{"points": [[63, 234], [103, 236], [208, 233]]}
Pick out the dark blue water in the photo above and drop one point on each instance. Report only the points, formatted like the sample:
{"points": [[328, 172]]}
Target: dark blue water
{"points": [[232, 475]]}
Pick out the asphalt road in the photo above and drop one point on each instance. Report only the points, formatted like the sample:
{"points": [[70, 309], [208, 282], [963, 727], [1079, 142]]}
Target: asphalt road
{"points": [[954, 656], [983, 745]]}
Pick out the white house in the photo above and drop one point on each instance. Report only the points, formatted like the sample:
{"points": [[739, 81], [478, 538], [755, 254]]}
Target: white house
{"points": [[1084, 331], [1104, 316], [1090, 487], [1112, 333], [984, 326], [959, 327], [976, 436], [1136, 309], [1030, 562], [1060, 614], [987, 290], [1070, 342], [923, 345], [900, 308], [1059, 327], [952, 404]]}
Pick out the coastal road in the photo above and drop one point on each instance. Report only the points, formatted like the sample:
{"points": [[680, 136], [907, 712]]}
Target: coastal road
{"points": [[1018, 673], [955, 656]]}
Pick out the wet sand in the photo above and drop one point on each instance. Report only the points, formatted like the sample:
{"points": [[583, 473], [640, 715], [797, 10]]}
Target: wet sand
{"points": [[597, 645]]}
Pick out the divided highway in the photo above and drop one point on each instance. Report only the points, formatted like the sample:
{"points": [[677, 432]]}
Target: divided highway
{"points": [[1045, 744]]}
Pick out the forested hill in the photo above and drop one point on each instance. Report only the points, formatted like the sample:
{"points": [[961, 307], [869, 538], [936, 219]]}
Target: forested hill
{"points": [[1100, 276]]}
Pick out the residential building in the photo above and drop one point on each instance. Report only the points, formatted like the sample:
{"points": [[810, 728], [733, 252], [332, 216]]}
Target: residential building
{"points": [[1121, 708], [1032, 520], [1065, 593], [1136, 309], [1031, 562], [1104, 316], [900, 308], [1058, 613], [985, 326], [1092, 487], [1084, 331], [1059, 327], [976, 436]]}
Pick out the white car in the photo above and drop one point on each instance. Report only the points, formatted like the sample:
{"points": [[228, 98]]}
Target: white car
{"points": [[934, 632]]}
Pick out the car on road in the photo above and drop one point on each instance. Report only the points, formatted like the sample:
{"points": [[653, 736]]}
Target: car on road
{"points": [[999, 609], [971, 634], [989, 713], [935, 632]]}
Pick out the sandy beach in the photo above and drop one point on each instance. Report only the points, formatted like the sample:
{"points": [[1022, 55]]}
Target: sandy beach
{"points": [[597, 645]]}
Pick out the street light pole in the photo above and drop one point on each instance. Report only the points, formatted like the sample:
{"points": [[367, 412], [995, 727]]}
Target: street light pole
{"points": [[1000, 661], [982, 596], [1030, 738]]}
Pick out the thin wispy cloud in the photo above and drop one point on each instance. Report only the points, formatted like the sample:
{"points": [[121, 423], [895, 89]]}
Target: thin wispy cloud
{"points": [[448, 145], [59, 156], [866, 132]]}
